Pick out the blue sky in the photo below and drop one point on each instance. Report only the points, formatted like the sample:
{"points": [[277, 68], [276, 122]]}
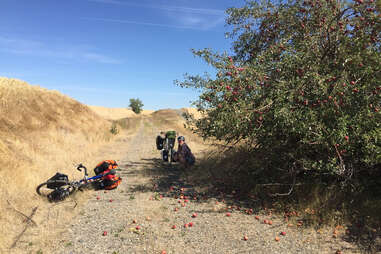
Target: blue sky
{"points": [[104, 52]]}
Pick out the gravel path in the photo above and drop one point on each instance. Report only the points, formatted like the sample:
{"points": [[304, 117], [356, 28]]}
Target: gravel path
{"points": [[139, 216]]}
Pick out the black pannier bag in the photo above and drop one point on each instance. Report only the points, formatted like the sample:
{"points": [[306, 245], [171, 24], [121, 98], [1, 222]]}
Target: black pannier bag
{"points": [[165, 155], [53, 184], [159, 143], [171, 142], [58, 194]]}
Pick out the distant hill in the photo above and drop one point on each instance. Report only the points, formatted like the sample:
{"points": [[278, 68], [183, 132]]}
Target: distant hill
{"points": [[117, 113]]}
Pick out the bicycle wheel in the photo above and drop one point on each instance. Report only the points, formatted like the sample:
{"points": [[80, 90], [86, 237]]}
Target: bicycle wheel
{"points": [[43, 190]]}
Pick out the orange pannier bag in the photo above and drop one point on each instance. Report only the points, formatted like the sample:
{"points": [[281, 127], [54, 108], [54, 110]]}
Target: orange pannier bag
{"points": [[112, 183], [105, 165]]}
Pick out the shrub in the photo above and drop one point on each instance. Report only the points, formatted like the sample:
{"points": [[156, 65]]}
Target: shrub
{"points": [[114, 129], [136, 105], [302, 87]]}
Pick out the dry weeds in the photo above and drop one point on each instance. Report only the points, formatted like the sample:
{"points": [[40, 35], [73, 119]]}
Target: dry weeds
{"points": [[41, 132]]}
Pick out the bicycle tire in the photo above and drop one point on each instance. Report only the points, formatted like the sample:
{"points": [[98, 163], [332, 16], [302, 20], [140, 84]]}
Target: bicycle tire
{"points": [[38, 189]]}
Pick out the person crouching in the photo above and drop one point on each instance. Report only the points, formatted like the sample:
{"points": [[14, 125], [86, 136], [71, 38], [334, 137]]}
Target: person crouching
{"points": [[184, 154]]}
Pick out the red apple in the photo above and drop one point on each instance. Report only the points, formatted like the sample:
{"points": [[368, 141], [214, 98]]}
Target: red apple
{"points": [[245, 238], [194, 215], [104, 233], [228, 214], [174, 226], [190, 224], [138, 227]]}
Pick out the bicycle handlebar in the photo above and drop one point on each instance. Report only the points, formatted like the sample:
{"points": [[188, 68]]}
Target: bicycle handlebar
{"points": [[80, 166]]}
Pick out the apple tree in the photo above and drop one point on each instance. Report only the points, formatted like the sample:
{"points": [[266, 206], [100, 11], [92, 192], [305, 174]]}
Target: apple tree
{"points": [[302, 86]]}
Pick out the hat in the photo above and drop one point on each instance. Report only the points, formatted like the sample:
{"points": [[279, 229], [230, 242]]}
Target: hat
{"points": [[180, 138]]}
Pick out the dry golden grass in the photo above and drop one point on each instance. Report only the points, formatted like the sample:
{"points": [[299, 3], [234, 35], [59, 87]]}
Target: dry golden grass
{"points": [[192, 111], [117, 113], [41, 132]]}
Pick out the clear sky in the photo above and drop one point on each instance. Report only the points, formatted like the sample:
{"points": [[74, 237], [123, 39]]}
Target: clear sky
{"points": [[104, 52]]}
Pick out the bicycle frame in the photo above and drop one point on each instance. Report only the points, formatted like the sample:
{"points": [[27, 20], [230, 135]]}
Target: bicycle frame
{"points": [[85, 179]]}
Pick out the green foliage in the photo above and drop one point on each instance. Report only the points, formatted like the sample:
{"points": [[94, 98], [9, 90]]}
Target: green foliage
{"points": [[136, 105], [114, 129], [302, 88]]}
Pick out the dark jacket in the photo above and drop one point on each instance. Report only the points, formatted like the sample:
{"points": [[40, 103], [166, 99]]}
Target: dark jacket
{"points": [[185, 154]]}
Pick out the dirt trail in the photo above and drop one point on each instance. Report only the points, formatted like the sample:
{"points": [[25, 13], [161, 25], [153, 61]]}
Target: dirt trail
{"points": [[145, 178]]}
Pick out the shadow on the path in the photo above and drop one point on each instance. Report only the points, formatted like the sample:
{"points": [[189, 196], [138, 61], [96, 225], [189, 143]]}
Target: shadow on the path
{"points": [[225, 182]]}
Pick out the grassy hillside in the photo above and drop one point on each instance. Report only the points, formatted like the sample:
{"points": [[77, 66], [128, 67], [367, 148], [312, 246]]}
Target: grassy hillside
{"points": [[117, 113], [41, 132]]}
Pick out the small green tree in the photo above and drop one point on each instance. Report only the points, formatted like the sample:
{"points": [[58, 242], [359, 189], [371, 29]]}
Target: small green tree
{"points": [[136, 105]]}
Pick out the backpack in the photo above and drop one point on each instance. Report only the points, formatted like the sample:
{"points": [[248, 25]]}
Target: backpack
{"points": [[105, 165], [170, 134], [159, 143]]}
